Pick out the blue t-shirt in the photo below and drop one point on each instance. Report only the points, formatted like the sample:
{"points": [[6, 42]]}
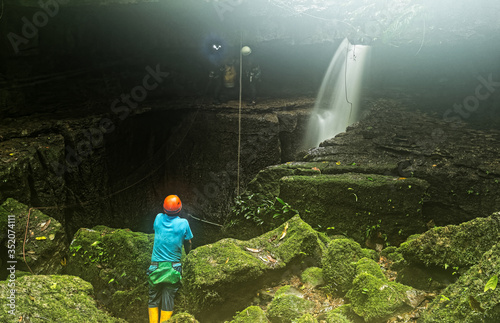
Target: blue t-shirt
{"points": [[170, 234]]}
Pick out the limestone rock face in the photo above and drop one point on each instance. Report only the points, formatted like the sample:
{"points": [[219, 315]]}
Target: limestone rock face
{"points": [[56, 298], [45, 249]]}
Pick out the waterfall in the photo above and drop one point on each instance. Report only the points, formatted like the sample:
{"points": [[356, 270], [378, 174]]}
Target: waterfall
{"points": [[337, 102]]}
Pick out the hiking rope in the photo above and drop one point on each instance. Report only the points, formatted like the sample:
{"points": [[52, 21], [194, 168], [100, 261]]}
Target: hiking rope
{"points": [[205, 221], [239, 124]]}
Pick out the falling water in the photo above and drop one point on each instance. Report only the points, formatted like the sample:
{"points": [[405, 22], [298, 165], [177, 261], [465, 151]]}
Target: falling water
{"points": [[337, 102]]}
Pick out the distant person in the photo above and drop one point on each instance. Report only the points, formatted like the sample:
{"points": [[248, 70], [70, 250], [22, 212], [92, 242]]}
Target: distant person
{"points": [[225, 81], [253, 77], [164, 274]]}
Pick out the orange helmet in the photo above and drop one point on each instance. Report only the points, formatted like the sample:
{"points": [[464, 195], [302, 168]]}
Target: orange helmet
{"points": [[172, 204]]}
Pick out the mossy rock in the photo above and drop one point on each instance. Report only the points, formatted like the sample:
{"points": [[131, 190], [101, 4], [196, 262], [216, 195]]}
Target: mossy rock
{"points": [[359, 204], [306, 318], [335, 317], [182, 318], [365, 265], [115, 262], [339, 264], [453, 245], [45, 249], [223, 277], [267, 180], [56, 298], [313, 277], [466, 300], [343, 314], [286, 308], [251, 314], [376, 300]]}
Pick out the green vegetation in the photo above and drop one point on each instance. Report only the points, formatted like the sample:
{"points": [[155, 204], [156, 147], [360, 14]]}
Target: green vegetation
{"points": [[261, 210]]}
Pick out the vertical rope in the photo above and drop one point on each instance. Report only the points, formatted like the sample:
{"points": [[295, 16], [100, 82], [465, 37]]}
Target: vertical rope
{"points": [[239, 123]]}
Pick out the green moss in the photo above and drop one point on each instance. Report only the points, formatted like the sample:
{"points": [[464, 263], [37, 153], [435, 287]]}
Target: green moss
{"points": [[370, 254], [453, 245], [55, 298], [376, 299], [114, 261], [306, 318], [286, 308], [365, 265], [465, 300], [252, 314], [338, 264], [343, 312], [182, 318], [335, 317], [313, 276]]}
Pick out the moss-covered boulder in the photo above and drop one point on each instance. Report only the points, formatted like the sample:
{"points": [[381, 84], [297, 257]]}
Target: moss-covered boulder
{"points": [[56, 298], [223, 277], [361, 205], [313, 277], [339, 264], [306, 318], [336, 317], [46, 242], [365, 265], [343, 314], [474, 297], [251, 314], [115, 262], [376, 300], [182, 318], [287, 306], [453, 245]]}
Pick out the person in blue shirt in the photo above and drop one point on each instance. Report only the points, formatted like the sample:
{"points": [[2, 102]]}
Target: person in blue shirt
{"points": [[164, 274]]}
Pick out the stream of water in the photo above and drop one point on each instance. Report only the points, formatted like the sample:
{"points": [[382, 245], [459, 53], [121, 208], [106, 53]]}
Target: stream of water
{"points": [[337, 102]]}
